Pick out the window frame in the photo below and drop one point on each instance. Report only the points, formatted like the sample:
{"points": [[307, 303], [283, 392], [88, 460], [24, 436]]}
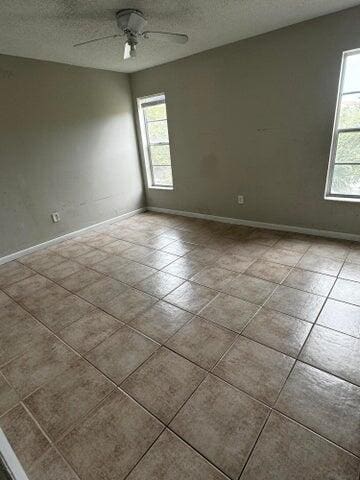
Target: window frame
{"points": [[335, 136], [151, 100]]}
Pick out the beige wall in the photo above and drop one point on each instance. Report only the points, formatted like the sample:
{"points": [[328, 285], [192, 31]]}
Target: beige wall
{"points": [[67, 144], [255, 118]]}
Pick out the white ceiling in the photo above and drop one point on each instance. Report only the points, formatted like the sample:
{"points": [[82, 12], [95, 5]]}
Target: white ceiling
{"points": [[47, 29]]}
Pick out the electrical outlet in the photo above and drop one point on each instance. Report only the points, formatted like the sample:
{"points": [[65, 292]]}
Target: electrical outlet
{"points": [[55, 217], [241, 199]]}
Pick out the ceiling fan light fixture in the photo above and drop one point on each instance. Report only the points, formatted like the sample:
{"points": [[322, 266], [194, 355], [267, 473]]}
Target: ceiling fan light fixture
{"points": [[132, 50], [129, 50]]}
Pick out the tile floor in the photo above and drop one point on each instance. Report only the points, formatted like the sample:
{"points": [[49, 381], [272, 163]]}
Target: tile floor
{"points": [[163, 347]]}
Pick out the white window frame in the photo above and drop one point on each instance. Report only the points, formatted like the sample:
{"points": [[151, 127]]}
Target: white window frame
{"points": [[335, 135], [151, 100]]}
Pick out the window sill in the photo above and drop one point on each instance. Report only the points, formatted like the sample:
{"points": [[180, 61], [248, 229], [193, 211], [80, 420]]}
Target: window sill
{"points": [[160, 188], [343, 199]]}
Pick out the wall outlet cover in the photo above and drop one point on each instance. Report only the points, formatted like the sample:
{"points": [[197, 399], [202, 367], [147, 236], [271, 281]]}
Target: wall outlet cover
{"points": [[241, 199], [55, 217]]}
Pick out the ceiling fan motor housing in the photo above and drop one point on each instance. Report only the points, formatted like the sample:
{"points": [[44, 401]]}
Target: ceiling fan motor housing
{"points": [[131, 21]]}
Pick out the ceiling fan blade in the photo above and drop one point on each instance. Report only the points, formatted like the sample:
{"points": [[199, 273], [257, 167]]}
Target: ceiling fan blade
{"points": [[136, 22], [174, 37], [97, 39]]}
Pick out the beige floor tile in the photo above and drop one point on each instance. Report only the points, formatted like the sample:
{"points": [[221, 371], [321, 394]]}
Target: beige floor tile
{"points": [[334, 352], [90, 330], [121, 353], [117, 247], [129, 304], [60, 314], [311, 282], [24, 436], [28, 287], [8, 396], [340, 316], [316, 263], [350, 271], [113, 265], [235, 263], [295, 453], [80, 280], [160, 241], [134, 272], [249, 248], [136, 252], [222, 424], [112, 440], [296, 303], [323, 403], [230, 312], [159, 259], [346, 291], [102, 292], [4, 299], [214, 277], [39, 364], [354, 255], [284, 257], [250, 289], [99, 240], [163, 383], [160, 284], [41, 260], [13, 272], [73, 249], [297, 245], [273, 272], [202, 254], [201, 342], [330, 250], [191, 296], [51, 465], [279, 331], [63, 270], [184, 267], [89, 259], [41, 300], [178, 248], [265, 237], [170, 458], [68, 397], [161, 321], [258, 370], [18, 331]]}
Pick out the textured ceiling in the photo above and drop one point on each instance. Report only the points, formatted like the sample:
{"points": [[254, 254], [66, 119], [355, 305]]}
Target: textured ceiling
{"points": [[47, 29]]}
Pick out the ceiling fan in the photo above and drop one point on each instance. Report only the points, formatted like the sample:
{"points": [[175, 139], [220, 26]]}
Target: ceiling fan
{"points": [[132, 22]]}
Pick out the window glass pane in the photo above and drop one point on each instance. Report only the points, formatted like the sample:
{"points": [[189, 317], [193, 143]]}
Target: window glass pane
{"points": [[162, 176], [350, 111], [348, 147], [352, 73], [160, 155], [155, 112], [158, 132], [346, 180]]}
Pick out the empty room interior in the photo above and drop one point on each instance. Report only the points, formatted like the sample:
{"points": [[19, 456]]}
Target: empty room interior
{"points": [[179, 240]]}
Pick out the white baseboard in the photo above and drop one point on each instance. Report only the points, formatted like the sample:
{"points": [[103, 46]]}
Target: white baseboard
{"points": [[53, 241], [271, 226]]}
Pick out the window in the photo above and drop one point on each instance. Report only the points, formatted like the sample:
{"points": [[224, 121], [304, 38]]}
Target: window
{"points": [[155, 140], [343, 180]]}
